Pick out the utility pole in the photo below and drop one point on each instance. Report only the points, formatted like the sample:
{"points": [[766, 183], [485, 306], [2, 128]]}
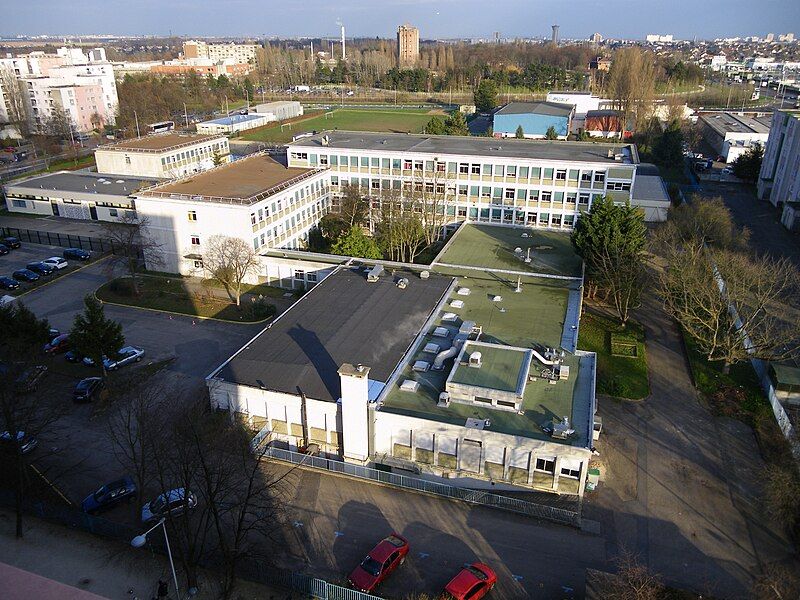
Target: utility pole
{"points": [[136, 117], [186, 115]]}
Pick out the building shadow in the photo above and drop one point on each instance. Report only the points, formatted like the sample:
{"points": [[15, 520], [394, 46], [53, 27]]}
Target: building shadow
{"points": [[314, 349]]}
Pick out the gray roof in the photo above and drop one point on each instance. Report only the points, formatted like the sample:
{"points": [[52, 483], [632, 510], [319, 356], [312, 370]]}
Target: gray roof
{"points": [[344, 319], [483, 147], [82, 182], [648, 186], [725, 122], [555, 109], [603, 112]]}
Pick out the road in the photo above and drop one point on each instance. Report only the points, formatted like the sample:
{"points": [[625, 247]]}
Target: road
{"points": [[681, 486]]}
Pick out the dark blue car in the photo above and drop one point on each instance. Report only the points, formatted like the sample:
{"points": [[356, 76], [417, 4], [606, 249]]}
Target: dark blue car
{"points": [[40, 268], [76, 254], [25, 275], [4, 249], [109, 495], [8, 284]]}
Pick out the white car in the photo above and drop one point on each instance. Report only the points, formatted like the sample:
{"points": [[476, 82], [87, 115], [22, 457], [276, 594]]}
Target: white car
{"points": [[56, 262], [728, 170]]}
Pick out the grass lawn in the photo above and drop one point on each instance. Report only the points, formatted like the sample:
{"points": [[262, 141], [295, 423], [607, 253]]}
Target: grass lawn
{"points": [[620, 376], [399, 121], [161, 293]]}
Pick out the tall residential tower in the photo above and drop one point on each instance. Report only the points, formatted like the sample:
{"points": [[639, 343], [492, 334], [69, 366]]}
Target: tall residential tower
{"points": [[407, 46]]}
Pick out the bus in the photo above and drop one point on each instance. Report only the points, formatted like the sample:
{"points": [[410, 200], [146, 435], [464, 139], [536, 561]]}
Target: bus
{"points": [[161, 127]]}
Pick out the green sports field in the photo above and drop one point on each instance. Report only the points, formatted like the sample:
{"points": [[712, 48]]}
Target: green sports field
{"points": [[399, 121]]}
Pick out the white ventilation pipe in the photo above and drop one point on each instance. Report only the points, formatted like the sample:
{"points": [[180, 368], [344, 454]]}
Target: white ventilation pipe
{"points": [[542, 359], [438, 362]]}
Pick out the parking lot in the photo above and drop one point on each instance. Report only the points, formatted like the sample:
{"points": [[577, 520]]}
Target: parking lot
{"points": [[27, 253]]}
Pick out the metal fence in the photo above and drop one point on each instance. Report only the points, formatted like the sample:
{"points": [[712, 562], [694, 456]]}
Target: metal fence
{"points": [[530, 509], [249, 569], [64, 240]]}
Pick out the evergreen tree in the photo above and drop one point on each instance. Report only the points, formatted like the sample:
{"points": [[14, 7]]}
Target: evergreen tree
{"points": [[456, 124], [667, 149], [93, 334], [520, 134], [486, 95], [435, 127], [748, 165], [551, 133], [611, 239], [355, 243]]}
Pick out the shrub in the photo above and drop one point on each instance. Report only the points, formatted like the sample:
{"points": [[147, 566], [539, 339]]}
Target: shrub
{"points": [[259, 309]]}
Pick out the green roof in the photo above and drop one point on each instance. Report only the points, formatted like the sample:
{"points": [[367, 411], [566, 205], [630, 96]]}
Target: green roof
{"points": [[501, 367], [786, 374], [493, 247]]}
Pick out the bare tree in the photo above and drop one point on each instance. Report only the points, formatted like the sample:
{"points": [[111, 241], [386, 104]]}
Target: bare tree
{"points": [[133, 244], [353, 206], [633, 581], [400, 229], [631, 84], [778, 582], [14, 96], [229, 261], [731, 304]]}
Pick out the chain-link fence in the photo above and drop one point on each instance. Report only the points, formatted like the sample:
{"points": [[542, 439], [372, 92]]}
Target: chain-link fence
{"points": [[64, 240]]}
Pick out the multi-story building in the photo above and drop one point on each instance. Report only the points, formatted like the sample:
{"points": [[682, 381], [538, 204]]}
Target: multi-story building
{"points": [[82, 86], [239, 53], [535, 118], [779, 179], [407, 46], [255, 198], [164, 156], [234, 123], [731, 135], [521, 182]]}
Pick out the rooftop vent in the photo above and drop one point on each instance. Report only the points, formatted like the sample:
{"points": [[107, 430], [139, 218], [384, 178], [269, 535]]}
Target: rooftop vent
{"points": [[475, 360], [463, 291], [409, 385], [431, 348], [444, 400], [497, 298], [561, 429], [375, 273], [457, 304], [421, 366], [449, 317], [402, 283], [425, 275]]}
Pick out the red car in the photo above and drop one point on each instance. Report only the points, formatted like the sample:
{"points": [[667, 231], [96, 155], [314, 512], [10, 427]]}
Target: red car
{"points": [[384, 558], [58, 345], [471, 583]]}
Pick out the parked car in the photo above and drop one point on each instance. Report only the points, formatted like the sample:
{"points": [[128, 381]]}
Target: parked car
{"points": [[727, 171], [125, 356], [25, 275], [56, 262], [471, 583], [76, 253], [8, 284], [10, 241], [174, 502], [40, 268], [381, 561], [29, 378], [86, 389], [73, 356], [109, 495], [4, 249], [58, 345], [24, 442]]}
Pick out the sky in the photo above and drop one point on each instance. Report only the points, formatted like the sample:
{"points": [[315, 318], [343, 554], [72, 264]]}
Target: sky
{"points": [[685, 19]]}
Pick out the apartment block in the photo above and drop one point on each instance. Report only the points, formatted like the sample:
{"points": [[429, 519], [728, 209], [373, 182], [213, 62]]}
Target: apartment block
{"points": [[239, 53], [407, 46], [164, 156], [484, 180], [779, 180], [81, 85]]}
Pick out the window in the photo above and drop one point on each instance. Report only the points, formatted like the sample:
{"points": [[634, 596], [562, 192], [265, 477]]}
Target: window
{"points": [[487, 169], [323, 160], [586, 176], [570, 472], [127, 159], [548, 465], [583, 198], [311, 277], [252, 217], [599, 176], [483, 400], [440, 167], [195, 240], [618, 186], [192, 215], [343, 161], [511, 171], [364, 161], [375, 161], [523, 172], [198, 264], [406, 165], [299, 274], [509, 194], [463, 168], [112, 212], [506, 404], [475, 169], [19, 203], [561, 175], [548, 173], [499, 170], [547, 196], [418, 165]]}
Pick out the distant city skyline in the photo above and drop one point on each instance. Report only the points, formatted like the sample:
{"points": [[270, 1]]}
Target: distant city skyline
{"points": [[434, 18]]}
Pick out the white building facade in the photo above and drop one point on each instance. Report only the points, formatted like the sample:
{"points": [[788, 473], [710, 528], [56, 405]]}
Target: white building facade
{"points": [[779, 179]]}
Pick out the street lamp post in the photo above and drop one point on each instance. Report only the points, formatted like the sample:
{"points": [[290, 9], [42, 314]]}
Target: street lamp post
{"points": [[141, 540]]}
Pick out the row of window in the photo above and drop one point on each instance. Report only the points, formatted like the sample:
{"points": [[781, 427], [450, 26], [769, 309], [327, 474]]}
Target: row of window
{"points": [[312, 213], [451, 167], [192, 154], [276, 206]]}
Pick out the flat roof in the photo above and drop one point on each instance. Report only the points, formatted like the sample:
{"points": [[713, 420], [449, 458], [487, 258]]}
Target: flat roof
{"points": [[483, 147], [732, 123], [650, 188], [233, 119], [244, 181], [83, 182], [531, 318], [343, 319], [501, 367], [494, 247], [159, 142], [556, 109]]}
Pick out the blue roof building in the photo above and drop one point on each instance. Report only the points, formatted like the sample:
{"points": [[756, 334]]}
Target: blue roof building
{"points": [[535, 118]]}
